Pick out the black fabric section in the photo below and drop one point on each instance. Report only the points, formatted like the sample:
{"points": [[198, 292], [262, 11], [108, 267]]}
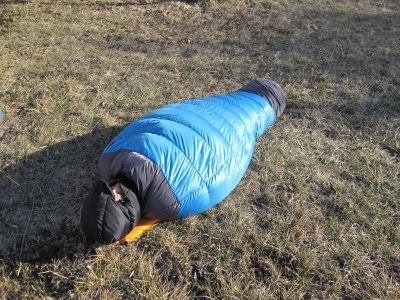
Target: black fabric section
{"points": [[116, 222], [131, 201], [92, 214], [154, 194], [270, 90], [105, 220]]}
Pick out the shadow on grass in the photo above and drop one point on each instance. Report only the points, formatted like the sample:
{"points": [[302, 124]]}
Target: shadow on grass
{"points": [[41, 198]]}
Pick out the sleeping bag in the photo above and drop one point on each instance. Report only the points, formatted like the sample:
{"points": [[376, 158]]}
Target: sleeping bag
{"points": [[179, 160]]}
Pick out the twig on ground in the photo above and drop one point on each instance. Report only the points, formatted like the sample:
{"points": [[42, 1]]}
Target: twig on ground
{"points": [[8, 177], [32, 197], [54, 273]]}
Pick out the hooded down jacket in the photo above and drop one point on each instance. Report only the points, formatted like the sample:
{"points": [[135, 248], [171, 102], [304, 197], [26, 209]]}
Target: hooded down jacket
{"points": [[181, 159]]}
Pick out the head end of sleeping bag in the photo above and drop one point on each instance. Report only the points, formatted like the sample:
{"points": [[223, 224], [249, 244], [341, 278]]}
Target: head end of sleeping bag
{"points": [[105, 220], [270, 90]]}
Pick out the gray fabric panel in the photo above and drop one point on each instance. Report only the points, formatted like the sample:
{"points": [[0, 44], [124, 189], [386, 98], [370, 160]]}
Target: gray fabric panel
{"points": [[158, 200], [270, 90]]}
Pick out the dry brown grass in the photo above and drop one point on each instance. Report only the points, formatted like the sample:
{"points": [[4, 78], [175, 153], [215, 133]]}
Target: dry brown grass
{"points": [[316, 215]]}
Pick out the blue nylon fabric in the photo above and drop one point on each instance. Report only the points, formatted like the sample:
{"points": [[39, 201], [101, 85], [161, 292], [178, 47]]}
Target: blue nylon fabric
{"points": [[202, 146]]}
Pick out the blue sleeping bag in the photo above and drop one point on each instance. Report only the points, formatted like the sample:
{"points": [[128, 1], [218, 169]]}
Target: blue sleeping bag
{"points": [[186, 157]]}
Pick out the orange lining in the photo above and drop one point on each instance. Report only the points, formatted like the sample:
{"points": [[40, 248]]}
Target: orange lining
{"points": [[143, 225]]}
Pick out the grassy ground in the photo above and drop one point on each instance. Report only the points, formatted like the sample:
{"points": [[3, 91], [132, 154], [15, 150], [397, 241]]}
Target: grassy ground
{"points": [[316, 216]]}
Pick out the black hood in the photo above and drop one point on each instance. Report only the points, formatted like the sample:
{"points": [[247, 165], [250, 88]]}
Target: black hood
{"points": [[105, 220], [270, 90]]}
